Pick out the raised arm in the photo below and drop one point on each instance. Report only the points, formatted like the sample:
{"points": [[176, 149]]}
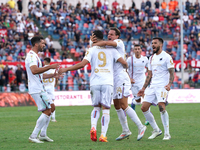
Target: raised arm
{"points": [[123, 62], [74, 67], [105, 43], [36, 70]]}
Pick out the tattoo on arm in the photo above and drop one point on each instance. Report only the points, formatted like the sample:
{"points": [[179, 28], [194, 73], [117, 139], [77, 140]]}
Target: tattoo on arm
{"points": [[171, 78], [148, 79]]}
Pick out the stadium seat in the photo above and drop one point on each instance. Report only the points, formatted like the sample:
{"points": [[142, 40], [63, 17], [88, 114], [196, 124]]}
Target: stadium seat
{"points": [[73, 51]]}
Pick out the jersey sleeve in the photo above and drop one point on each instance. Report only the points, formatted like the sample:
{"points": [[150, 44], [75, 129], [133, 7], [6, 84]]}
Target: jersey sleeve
{"points": [[32, 60], [147, 62], [88, 54], [116, 55], [119, 43], [170, 63]]}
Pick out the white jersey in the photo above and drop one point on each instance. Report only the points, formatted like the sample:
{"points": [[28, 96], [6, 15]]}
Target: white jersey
{"points": [[159, 65], [102, 60], [49, 84], [119, 71], [136, 68], [35, 83]]}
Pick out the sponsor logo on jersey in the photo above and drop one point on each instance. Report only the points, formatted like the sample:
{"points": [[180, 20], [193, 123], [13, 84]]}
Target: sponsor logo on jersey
{"points": [[96, 70]]}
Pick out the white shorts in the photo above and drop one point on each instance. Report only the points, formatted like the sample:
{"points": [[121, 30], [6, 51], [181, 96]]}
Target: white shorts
{"points": [[135, 89], [101, 94], [121, 89], [155, 95], [51, 95], [42, 100]]}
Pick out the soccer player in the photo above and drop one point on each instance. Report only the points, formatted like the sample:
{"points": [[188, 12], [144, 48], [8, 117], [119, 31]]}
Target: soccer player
{"points": [[122, 85], [160, 77], [36, 89], [49, 85], [137, 67], [102, 60]]}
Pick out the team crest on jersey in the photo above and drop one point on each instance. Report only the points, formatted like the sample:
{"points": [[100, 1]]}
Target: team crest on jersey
{"points": [[118, 40], [119, 90], [143, 61], [160, 59], [96, 70]]}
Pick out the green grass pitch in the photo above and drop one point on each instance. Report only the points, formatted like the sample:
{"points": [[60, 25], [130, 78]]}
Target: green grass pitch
{"points": [[73, 126]]}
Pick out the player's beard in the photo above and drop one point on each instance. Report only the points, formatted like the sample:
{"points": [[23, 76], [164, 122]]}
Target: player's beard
{"points": [[40, 48], [157, 49]]}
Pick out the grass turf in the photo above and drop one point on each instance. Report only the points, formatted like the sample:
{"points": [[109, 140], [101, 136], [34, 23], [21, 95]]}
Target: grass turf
{"points": [[73, 126]]}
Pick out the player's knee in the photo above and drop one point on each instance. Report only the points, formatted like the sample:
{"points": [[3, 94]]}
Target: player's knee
{"points": [[161, 108], [144, 109]]}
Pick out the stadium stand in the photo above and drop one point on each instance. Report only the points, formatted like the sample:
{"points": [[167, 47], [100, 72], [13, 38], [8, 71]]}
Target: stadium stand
{"points": [[72, 27]]}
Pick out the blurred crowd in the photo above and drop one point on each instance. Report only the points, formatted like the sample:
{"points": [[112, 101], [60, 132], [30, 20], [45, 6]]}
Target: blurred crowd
{"points": [[73, 25]]}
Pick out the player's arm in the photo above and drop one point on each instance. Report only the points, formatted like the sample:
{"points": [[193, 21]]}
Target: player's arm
{"points": [[36, 70], [128, 70], [123, 62], [105, 43], [147, 81], [56, 82], [82, 64], [170, 66], [171, 78]]}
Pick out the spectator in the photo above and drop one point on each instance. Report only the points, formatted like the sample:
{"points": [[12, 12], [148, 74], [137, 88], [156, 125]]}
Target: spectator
{"points": [[99, 4], [171, 5], [18, 74], [19, 5], [187, 6], [38, 4], [44, 3], [69, 59], [148, 3], [133, 4], [143, 5], [157, 4], [115, 4], [11, 4], [47, 53], [164, 5]]}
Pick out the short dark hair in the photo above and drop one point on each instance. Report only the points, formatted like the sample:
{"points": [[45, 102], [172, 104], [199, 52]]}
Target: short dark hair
{"points": [[47, 59], [98, 34], [159, 39], [117, 32], [137, 45], [36, 39]]}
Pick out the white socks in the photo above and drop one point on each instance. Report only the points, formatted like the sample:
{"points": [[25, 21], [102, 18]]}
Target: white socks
{"points": [[44, 128], [105, 119], [39, 124], [123, 120], [95, 114], [165, 121], [149, 117], [53, 116], [132, 114]]}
